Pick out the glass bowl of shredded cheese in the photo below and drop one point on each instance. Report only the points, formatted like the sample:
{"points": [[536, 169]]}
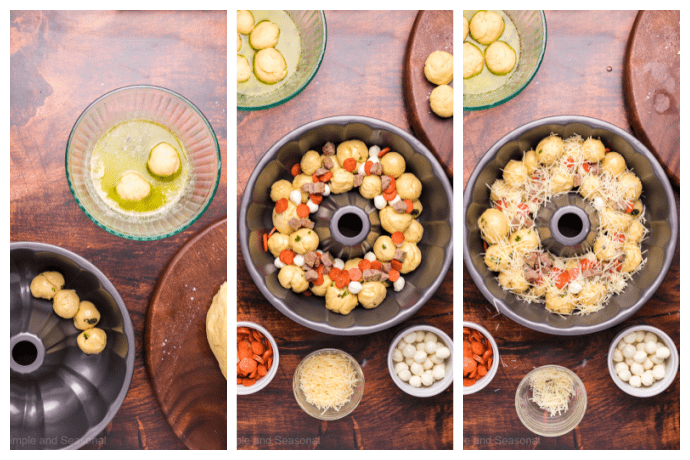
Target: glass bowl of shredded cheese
{"points": [[328, 384], [551, 401]]}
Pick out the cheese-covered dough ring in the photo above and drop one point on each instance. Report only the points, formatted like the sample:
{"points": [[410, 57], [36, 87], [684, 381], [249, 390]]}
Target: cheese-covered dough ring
{"points": [[593, 150], [613, 163], [514, 281], [549, 149], [515, 173]]}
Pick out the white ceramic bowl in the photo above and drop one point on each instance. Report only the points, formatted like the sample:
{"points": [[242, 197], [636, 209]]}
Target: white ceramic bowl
{"points": [[484, 381], [266, 379], [437, 387], [671, 364]]}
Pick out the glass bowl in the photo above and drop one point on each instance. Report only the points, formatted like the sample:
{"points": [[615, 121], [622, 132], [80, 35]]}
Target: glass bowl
{"points": [[176, 114], [531, 28], [311, 25], [436, 387], [329, 414], [266, 379], [484, 381], [60, 397], [537, 420]]}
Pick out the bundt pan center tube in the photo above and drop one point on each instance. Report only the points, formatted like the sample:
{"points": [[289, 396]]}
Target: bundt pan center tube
{"points": [[568, 224], [348, 225]]}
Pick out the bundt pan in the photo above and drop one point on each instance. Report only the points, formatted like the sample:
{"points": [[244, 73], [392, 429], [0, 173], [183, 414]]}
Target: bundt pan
{"points": [[660, 213], [60, 397], [348, 225]]}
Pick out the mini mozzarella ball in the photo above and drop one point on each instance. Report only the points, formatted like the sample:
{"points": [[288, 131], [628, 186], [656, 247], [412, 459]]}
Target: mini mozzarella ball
{"points": [[428, 364], [647, 378], [650, 337], [629, 361], [313, 207], [399, 284], [621, 344], [574, 287], [619, 367], [374, 151], [617, 355], [410, 338], [439, 372], [639, 336], [380, 202], [659, 371], [442, 352], [395, 200], [400, 366], [397, 356], [370, 256], [416, 368], [409, 351], [296, 197], [630, 338], [420, 336], [650, 347], [428, 379], [327, 191], [420, 356], [435, 359], [339, 264], [405, 375], [430, 347], [624, 375], [278, 263], [409, 361], [639, 346], [401, 345], [636, 369], [420, 346], [640, 356], [629, 350], [647, 364], [299, 260], [416, 381], [599, 203], [662, 352], [635, 381], [655, 359], [355, 287], [92, 341]]}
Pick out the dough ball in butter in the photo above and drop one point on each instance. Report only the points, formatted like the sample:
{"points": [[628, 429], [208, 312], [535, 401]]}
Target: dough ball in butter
{"points": [[465, 28], [92, 341], [164, 160], [500, 58], [265, 35], [217, 328], [486, 27], [239, 41], [46, 285], [87, 316], [66, 303], [244, 69], [245, 22], [372, 295], [472, 60], [441, 101], [438, 68], [132, 186], [270, 66]]}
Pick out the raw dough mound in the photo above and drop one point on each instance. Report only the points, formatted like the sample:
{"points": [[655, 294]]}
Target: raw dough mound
{"points": [[441, 100], [438, 68], [217, 328], [46, 285]]}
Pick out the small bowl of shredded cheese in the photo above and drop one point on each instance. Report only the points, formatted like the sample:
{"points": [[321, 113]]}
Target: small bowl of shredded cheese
{"points": [[551, 400], [328, 384]]}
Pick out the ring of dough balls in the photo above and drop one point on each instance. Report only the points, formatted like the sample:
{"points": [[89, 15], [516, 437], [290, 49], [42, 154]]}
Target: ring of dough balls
{"points": [[87, 316], [616, 248], [500, 58], [46, 285], [441, 101], [264, 35], [245, 22], [486, 27], [438, 68], [270, 66], [472, 60], [163, 160], [305, 239], [92, 341], [244, 69], [66, 303]]}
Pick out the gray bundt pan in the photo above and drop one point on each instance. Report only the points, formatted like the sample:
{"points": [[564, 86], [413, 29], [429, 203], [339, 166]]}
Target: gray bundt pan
{"points": [[341, 210], [60, 397], [660, 212]]}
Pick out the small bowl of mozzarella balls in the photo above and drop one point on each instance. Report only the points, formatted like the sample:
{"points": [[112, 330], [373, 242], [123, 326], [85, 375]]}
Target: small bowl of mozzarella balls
{"points": [[643, 361], [420, 361]]}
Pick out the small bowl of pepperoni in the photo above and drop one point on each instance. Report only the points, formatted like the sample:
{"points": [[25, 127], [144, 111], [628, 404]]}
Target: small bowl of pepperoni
{"points": [[479, 357], [257, 357]]}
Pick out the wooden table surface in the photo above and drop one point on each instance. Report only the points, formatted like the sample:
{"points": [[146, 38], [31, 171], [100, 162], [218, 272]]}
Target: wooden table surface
{"points": [[573, 80], [60, 63], [361, 74]]}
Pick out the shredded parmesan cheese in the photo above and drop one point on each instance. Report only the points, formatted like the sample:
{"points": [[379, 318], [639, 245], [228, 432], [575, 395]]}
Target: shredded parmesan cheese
{"points": [[551, 390], [328, 381]]}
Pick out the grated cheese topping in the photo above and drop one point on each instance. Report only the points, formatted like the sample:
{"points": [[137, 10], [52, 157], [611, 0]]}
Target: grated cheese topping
{"points": [[551, 390], [328, 381]]}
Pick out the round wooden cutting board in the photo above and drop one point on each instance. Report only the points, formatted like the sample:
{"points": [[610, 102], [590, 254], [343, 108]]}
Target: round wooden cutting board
{"points": [[652, 85], [431, 31], [184, 373]]}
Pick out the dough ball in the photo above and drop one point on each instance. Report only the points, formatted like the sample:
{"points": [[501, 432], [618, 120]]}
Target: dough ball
{"points": [[516, 282], [265, 35], [631, 186], [515, 173], [87, 316], [636, 232], [465, 28], [414, 232], [417, 208], [353, 148], [239, 42], [311, 161], [352, 263], [372, 295], [613, 163], [292, 277], [304, 240], [493, 225], [496, 257], [592, 293], [163, 160], [46, 285], [281, 189], [384, 248], [605, 248], [281, 221], [530, 161], [371, 187], [342, 181], [92, 341], [393, 164], [270, 66], [615, 221], [486, 26], [392, 221], [472, 60], [593, 150], [298, 182], [441, 101], [438, 68], [561, 182], [132, 186], [499, 190], [66, 303], [321, 290], [633, 257], [559, 302], [590, 186], [245, 22], [524, 240], [413, 257], [244, 70], [217, 328], [549, 149], [277, 243], [500, 58], [340, 300], [408, 186]]}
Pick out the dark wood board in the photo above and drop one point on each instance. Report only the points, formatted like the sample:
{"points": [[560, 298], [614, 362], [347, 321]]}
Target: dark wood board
{"points": [[184, 372], [652, 85], [431, 31]]}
